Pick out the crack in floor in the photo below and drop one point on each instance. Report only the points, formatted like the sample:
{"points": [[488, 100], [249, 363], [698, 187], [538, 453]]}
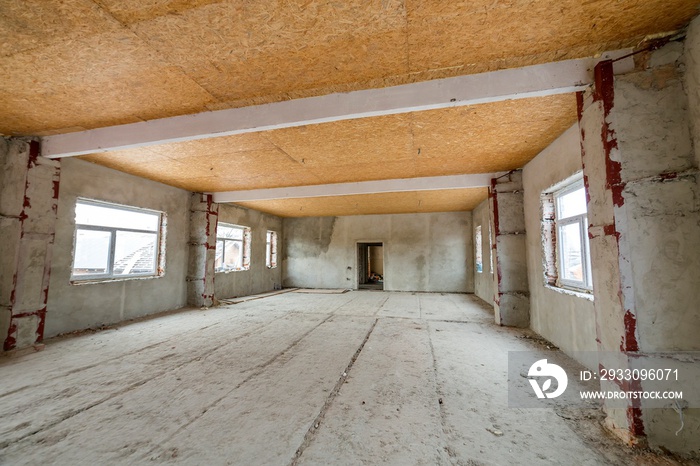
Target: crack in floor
{"points": [[309, 436]]}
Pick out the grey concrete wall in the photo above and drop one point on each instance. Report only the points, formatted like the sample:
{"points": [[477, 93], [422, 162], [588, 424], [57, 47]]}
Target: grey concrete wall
{"points": [[258, 278], [72, 307], [566, 319], [483, 282], [422, 252], [644, 215], [511, 303], [691, 59]]}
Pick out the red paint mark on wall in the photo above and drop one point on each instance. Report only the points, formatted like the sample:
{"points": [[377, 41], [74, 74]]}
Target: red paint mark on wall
{"points": [[605, 93], [10, 341], [630, 339], [634, 417], [610, 230], [42, 322], [634, 412]]}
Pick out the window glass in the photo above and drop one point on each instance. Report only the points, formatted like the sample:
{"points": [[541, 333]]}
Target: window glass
{"points": [[135, 253], [91, 252], [114, 241], [101, 215], [232, 247], [478, 241], [490, 251], [571, 252], [271, 250], [572, 203], [570, 240]]}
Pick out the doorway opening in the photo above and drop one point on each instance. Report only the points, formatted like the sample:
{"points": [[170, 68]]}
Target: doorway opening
{"points": [[370, 266]]}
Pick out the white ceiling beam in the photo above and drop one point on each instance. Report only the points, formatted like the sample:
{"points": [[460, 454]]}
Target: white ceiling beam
{"points": [[363, 187], [530, 81]]}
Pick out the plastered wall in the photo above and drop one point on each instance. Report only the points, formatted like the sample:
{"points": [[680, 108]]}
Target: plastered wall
{"points": [[565, 319], [258, 278], [637, 133], [483, 282], [72, 307], [422, 252]]}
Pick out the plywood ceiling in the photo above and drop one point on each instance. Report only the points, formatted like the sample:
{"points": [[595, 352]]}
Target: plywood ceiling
{"points": [[70, 65], [475, 139], [448, 200], [75, 64]]}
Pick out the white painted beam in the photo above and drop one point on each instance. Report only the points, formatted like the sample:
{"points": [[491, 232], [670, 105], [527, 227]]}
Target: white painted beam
{"points": [[363, 187], [530, 81]]}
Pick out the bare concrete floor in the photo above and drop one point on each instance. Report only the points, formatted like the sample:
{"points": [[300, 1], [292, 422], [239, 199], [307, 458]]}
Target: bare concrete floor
{"points": [[357, 378]]}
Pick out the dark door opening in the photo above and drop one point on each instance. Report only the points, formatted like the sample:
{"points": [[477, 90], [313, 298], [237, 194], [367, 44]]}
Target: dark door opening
{"points": [[370, 266]]}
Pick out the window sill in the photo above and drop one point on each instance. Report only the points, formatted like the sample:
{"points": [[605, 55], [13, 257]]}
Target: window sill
{"points": [[92, 281], [231, 270], [570, 292]]}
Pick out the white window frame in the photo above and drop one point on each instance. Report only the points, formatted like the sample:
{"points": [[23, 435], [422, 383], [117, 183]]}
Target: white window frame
{"points": [[245, 247], [271, 249], [581, 220], [158, 268]]}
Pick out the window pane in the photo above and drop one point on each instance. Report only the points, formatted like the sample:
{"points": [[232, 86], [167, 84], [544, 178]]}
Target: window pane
{"points": [[233, 255], [479, 261], [572, 203], [90, 214], [91, 252], [135, 253], [224, 231], [571, 252], [490, 251]]}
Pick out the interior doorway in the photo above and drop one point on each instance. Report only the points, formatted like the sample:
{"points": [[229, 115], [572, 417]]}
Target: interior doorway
{"points": [[370, 266]]}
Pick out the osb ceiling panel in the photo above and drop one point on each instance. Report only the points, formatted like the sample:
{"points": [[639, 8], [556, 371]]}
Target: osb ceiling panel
{"points": [[446, 200], [475, 139], [76, 64]]}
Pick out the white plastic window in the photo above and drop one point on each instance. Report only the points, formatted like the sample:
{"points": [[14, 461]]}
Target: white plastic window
{"points": [[271, 250], [478, 252], [232, 247], [573, 251], [113, 241]]}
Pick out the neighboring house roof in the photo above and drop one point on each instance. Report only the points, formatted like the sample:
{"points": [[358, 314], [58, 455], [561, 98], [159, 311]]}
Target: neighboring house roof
{"points": [[140, 261]]}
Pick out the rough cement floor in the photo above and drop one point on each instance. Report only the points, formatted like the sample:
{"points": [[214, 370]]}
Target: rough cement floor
{"points": [[354, 378]]}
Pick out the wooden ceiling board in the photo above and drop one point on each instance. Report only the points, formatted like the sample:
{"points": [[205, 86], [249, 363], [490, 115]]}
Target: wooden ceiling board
{"points": [[29, 24], [482, 138], [223, 145], [71, 64], [273, 47], [73, 84], [492, 137], [448, 200], [529, 28], [135, 11], [349, 142]]}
